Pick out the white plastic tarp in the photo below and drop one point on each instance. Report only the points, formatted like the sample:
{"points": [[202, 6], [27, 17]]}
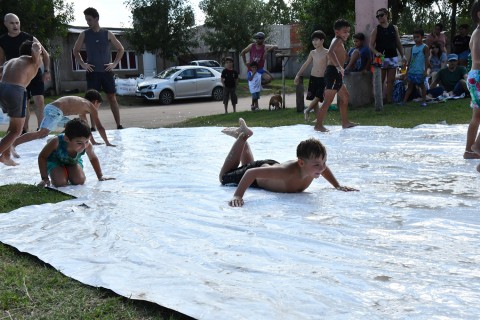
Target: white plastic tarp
{"points": [[406, 246]]}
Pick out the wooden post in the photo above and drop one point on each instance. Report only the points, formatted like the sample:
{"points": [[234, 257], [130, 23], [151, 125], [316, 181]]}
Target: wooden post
{"points": [[300, 91], [377, 88]]}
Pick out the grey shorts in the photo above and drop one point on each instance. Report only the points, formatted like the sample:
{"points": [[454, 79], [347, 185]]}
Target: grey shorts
{"points": [[53, 118], [13, 99]]}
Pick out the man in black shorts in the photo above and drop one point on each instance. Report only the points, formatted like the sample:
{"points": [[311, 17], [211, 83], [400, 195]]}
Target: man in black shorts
{"points": [[98, 66], [9, 48]]}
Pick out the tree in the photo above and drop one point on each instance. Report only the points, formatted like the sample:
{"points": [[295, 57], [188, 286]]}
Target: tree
{"points": [[320, 15], [278, 12], [231, 24], [164, 27]]}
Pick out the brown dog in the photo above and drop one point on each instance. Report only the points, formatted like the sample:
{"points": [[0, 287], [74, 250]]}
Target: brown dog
{"points": [[276, 102]]}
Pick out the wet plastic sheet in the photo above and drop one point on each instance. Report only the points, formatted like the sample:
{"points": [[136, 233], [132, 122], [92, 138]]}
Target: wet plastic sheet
{"points": [[406, 246]]}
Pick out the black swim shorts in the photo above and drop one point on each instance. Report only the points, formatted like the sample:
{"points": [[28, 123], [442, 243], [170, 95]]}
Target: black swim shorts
{"points": [[333, 78], [234, 176]]}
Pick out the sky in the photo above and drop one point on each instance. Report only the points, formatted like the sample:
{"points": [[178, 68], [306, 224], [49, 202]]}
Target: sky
{"points": [[113, 13]]}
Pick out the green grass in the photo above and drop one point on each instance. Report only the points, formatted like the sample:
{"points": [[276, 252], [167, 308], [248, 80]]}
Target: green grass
{"points": [[31, 289], [408, 116]]}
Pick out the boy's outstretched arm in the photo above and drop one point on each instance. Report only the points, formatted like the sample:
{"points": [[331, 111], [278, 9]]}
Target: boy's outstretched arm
{"points": [[95, 163], [328, 175], [302, 68]]}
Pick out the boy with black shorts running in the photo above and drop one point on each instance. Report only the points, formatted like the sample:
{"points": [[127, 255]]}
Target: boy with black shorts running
{"points": [[334, 73]]}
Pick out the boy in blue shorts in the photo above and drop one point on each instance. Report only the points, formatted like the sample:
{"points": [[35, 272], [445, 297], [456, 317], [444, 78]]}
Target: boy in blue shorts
{"points": [[417, 67]]}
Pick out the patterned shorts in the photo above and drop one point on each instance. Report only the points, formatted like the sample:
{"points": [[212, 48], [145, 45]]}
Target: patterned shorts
{"points": [[390, 63], [473, 84]]}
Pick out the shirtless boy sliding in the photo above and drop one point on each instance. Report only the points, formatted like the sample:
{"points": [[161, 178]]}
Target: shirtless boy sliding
{"points": [[316, 85], [334, 76], [54, 115], [289, 177], [17, 74]]}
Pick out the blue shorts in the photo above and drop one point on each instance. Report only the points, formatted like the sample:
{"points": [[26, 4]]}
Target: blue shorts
{"points": [[473, 84], [101, 81], [416, 79], [53, 118], [256, 95]]}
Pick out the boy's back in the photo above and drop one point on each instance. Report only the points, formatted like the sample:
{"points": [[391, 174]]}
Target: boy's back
{"points": [[20, 71], [73, 105]]}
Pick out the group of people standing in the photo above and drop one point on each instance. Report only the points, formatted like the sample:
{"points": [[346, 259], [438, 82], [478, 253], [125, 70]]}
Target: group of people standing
{"points": [[22, 78]]}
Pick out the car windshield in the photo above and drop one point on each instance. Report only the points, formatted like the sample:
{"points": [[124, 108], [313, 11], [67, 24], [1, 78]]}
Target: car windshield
{"points": [[209, 64], [166, 74]]}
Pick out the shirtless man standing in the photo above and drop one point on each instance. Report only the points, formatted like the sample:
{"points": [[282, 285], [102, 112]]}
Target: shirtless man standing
{"points": [[334, 76], [17, 74], [316, 85]]}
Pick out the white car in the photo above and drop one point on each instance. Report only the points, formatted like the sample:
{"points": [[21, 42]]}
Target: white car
{"points": [[207, 63], [182, 82]]}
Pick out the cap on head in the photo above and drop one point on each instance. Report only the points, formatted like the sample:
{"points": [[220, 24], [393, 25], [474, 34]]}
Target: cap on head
{"points": [[259, 35], [228, 59], [452, 57]]}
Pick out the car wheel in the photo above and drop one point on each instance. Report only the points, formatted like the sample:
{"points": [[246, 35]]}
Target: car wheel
{"points": [[217, 93], [166, 97]]}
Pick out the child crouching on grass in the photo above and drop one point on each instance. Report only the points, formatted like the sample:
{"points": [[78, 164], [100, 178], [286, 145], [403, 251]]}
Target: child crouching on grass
{"points": [[61, 158]]}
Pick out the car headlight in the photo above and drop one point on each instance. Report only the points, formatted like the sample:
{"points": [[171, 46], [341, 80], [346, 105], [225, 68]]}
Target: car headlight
{"points": [[152, 86]]}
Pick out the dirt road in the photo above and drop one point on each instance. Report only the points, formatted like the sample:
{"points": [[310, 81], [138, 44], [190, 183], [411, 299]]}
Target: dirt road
{"points": [[156, 116]]}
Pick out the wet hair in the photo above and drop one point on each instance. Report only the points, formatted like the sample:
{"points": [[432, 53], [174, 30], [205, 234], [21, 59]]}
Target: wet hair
{"points": [[26, 48], [419, 32], [475, 10], [318, 34], [91, 12], [384, 10], [254, 64], [77, 128], [341, 23], [93, 95], [311, 149], [359, 36]]}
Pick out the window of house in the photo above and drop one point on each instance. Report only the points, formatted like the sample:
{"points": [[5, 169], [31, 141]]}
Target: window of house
{"points": [[129, 61]]}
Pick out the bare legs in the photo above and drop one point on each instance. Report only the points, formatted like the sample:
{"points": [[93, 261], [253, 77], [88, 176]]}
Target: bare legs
{"points": [[112, 100], [313, 105], [240, 151], [13, 132], [343, 104], [472, 147], [389, 74]]}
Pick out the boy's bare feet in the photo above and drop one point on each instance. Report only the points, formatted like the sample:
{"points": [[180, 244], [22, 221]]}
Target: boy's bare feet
{"points": [[232, 132], [320, 128], [13, 152], [7, 161], [349, 125], [470, 155], [475, 148], [243, 128]]}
